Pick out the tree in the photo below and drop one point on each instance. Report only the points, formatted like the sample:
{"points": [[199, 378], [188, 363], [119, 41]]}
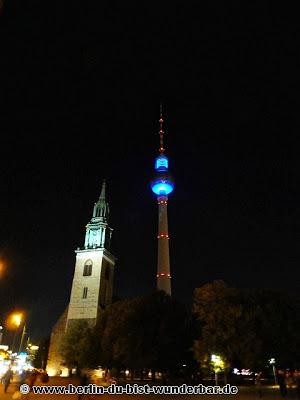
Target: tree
{"points": [[151, 332], [40, 359], [114, 333], [77, 346], [279, 326], [246, 328], [226, 325]]}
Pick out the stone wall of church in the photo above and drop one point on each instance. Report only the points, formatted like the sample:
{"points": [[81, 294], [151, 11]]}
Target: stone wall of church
{"points": [[81, 306], [106, 283], [55, 361]]}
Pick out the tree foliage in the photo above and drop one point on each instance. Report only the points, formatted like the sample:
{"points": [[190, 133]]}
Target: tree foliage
{"points": [[278, 317], [227, 325], [245, 327], [40, 358], [150, 332], [78, 346], [146, 332]]}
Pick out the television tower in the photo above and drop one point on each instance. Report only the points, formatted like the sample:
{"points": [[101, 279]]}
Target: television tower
{"points": [[162, 185]]}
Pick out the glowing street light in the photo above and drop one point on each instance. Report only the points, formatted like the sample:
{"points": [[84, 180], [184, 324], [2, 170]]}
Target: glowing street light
{"points": [[218, 365], [272, 362], [13, 322], [217, 362], [2, 267], [16, 319]]}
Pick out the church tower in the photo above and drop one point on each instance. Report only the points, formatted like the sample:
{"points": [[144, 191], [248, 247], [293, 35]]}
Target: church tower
{"points": [[94, 268], [92, 285]]}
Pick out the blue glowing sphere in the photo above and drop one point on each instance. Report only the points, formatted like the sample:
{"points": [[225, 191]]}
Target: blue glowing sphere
{"points": [[161, 163], [162, 186]]}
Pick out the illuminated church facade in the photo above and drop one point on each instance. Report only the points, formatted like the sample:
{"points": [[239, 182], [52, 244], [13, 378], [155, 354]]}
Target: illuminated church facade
{"points": [[92, 286]]}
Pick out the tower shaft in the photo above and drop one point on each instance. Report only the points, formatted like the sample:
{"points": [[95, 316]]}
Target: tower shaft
{"points": [[163, 258]]}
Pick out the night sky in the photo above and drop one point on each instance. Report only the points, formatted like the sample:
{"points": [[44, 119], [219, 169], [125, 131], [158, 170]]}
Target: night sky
{"points": [[82, 83]]}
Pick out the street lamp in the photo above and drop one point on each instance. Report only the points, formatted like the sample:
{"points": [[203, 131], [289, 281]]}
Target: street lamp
{"points": [[1, 269], [14, 322], [218, 365], [272, 362], [17, 319], [22, 338]]}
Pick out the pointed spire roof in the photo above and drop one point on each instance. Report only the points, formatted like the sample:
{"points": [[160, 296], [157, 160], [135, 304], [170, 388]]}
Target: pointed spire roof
{"points": [[101, 208], [103, 190]]}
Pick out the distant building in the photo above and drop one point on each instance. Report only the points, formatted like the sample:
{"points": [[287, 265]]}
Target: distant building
{"points": [[92, 286]]}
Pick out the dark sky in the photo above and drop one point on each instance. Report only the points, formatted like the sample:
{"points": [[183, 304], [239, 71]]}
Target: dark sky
{"points": [[82, 83]]}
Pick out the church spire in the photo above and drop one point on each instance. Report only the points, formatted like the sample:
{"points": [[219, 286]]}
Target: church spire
{"points": [[103, 189], [101, 208], [98, 232]]}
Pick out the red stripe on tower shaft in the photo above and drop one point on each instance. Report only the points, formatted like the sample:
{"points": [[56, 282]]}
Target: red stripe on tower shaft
{"points": [[163, 257]]}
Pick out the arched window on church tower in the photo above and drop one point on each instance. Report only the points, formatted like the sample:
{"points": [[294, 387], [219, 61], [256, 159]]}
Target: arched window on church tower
{"points": [[87, 269]]}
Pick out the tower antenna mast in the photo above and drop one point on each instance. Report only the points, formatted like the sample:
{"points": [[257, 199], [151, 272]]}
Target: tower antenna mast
{"points": [[161, 131]]}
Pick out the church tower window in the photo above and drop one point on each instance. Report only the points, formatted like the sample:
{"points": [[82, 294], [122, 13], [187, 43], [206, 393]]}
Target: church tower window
{"points": [[87, 269], [84, 294]]}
